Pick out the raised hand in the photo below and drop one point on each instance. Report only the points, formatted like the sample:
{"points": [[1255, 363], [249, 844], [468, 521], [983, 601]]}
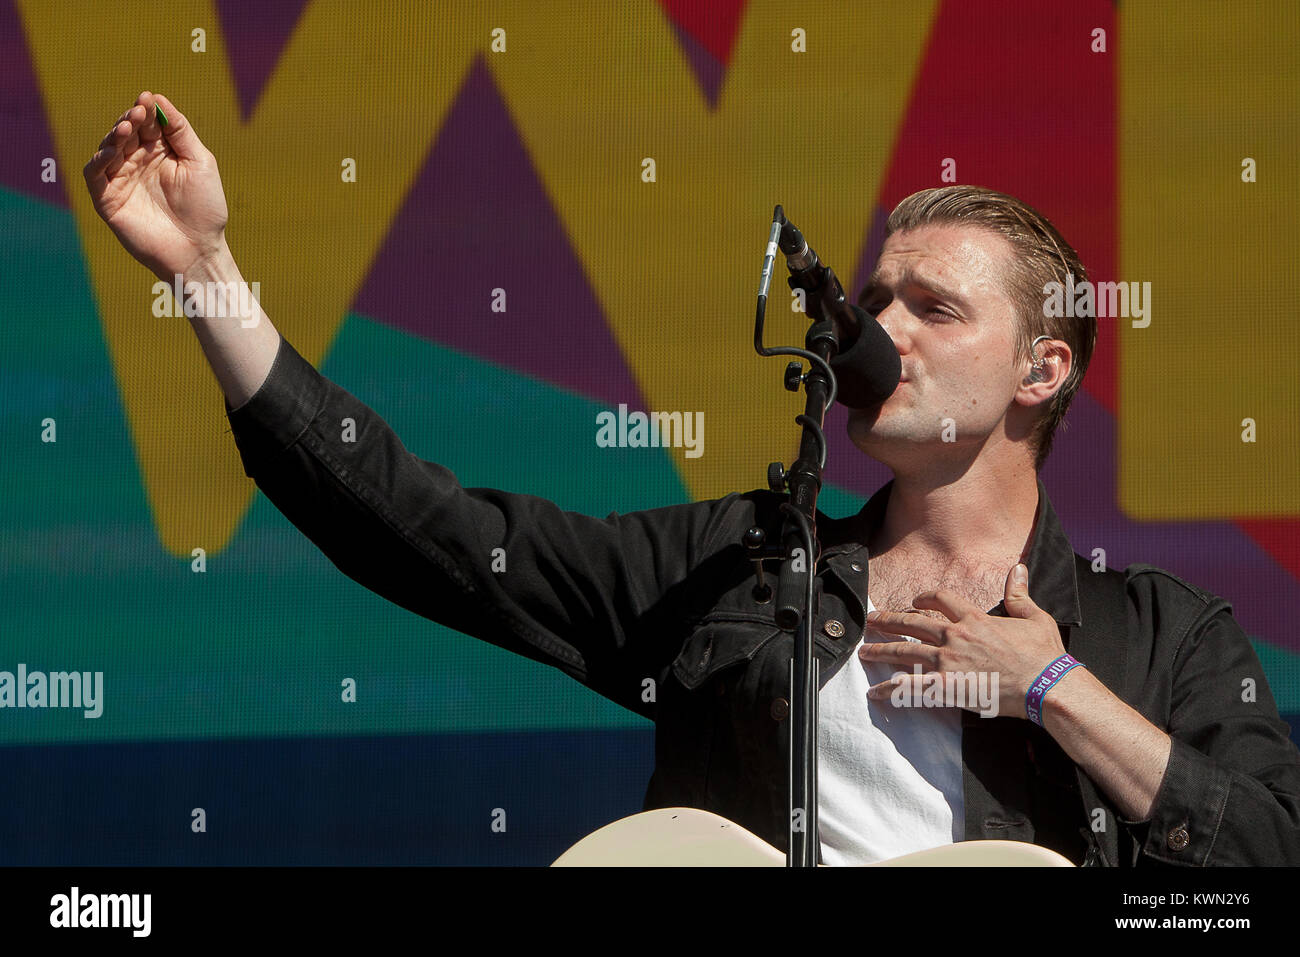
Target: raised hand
{"points": [[158, 189]]}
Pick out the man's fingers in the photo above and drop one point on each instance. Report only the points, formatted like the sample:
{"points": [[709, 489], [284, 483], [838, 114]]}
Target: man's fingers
{"points": [[908, 623], [1016, 598], [886, 688], [110, 138], [901, 653], [114, 164], [95, 179], [114, 140], [953, 690], [121, 129], [95, 167], [109, 149], [180, 136], [150, 129], [152, 123], [131, 141], [137, 124], [916, 685], [949, 603]]}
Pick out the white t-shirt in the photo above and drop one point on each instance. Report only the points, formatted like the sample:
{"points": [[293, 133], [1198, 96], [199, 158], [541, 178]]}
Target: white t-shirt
{"points": [[889, 779]]}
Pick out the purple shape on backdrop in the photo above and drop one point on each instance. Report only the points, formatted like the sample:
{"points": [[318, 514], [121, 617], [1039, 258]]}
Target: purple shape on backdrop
{"points": [[477, 219], [846, 465], [1081, 478], [709, 71], [26, 124], [255, 33]]}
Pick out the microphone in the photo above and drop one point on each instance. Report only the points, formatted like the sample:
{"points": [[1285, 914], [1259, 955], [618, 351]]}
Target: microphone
{"points": [[869, 370], [867, 367]]}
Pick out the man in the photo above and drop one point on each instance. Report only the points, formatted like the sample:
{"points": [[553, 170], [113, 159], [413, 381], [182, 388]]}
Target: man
{"points": [[1143, 752]]}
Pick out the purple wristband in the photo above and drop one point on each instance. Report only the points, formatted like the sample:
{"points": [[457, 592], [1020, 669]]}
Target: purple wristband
{"points": [[1043, 683]]}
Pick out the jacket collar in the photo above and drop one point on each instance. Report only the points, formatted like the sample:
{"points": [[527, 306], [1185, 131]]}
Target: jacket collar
{"points": [[1052, 583]]}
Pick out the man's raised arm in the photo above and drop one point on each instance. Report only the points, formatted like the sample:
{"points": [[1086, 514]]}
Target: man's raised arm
{"points": [[158, 188], [603, 600]]}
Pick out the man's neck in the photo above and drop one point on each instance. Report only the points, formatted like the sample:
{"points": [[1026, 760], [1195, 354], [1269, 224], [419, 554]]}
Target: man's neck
{"points": [[978, 514]]}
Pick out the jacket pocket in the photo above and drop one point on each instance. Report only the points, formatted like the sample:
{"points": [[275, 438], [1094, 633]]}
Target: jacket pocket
{"points": [[719, 642]]}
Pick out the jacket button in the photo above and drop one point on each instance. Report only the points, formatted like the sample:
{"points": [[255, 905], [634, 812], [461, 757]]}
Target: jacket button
{"points": [[856, 566], [834, 628], [1178, 838], [780, 709]]}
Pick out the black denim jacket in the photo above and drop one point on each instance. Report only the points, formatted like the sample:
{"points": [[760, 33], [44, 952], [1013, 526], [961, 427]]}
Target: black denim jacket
{"points": [[655, 610]]}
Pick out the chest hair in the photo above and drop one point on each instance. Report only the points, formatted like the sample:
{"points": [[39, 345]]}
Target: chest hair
{"points": [[894, 583]]}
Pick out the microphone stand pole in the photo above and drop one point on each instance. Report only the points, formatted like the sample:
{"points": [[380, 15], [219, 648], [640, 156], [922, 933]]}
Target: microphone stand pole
{"points": [[799, 549]]}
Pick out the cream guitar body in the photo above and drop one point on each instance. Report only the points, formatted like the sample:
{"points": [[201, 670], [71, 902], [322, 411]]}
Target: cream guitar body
{"points": [[689, 837]]}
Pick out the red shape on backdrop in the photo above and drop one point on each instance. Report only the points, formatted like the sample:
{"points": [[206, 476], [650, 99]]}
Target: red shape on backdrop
{"points": [[713, 24], [1036, 120]]}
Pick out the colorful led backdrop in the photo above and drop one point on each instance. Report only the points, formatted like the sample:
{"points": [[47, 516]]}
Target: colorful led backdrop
{"points": [[607, 173]]}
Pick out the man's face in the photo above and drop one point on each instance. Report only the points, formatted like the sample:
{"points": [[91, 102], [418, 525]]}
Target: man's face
{"points": [[939, 293]]}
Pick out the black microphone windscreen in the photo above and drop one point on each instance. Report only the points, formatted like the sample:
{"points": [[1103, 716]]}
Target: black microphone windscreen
{"points": [[867, 372]]}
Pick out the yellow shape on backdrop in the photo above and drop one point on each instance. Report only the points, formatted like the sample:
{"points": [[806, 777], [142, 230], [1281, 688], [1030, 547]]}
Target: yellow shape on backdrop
{"points": [[1205, 87]]}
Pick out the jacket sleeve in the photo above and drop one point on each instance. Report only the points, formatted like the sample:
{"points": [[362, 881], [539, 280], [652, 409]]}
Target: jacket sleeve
{"points": [[1231, 791], [595, 598]]}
